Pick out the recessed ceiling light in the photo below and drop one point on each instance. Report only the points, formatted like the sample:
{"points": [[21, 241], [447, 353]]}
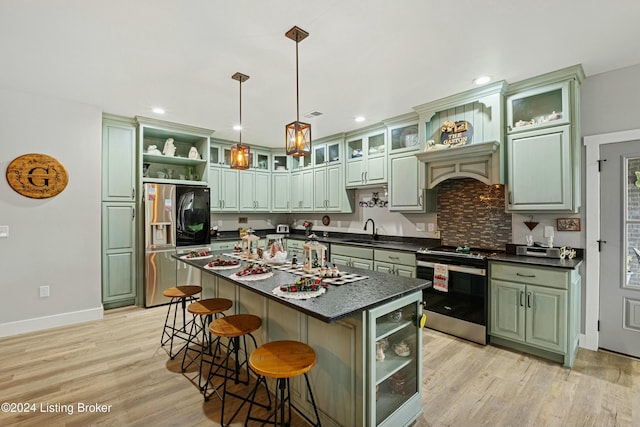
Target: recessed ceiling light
{"points": [[360, 119], [237, 127], [158, 110], [482, 80]]}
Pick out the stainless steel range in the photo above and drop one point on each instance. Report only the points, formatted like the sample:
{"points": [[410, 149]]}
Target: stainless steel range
{"points": [[457, 304]]}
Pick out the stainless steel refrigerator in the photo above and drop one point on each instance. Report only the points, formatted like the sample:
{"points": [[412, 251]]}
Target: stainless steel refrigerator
{"points": [[176, 220]]}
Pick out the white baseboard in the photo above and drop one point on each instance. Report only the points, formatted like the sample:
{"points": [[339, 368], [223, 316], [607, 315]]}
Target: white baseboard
{"points": [[47, 322], [584, 343]]}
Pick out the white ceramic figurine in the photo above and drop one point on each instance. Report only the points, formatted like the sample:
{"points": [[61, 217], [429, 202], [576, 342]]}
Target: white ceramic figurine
{"points": [[169, 148]]}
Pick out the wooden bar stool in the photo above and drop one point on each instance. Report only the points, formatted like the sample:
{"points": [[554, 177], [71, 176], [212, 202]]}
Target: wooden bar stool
{"points": [[235, 328], [205, 310], [282, 360], [179, 296]]}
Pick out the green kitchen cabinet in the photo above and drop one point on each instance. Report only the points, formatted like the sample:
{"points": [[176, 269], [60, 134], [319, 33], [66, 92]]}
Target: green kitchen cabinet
{"points": [[325, 153], [118, 159], [280, 192], [540, 170], [352, 256], [366, 159], [543, 142], [118, 254], [223, 184], [254, 191], [535, 309], [400, 263], [394, 380], [302, 190], [229, 185], [407, 185], [329, 194]]}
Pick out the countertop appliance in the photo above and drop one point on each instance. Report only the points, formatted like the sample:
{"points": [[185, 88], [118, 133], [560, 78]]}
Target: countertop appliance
{"points": [[175, 217], [282, 228], [461, 310]]}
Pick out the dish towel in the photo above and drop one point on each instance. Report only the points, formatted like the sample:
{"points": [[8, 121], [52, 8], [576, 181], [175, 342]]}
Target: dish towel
{"points": [[441, 277]]}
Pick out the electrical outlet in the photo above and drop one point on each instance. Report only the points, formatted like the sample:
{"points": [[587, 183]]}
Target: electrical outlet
{"points": [[44, 291], [420, 226], [4, 231], [431, 227]]}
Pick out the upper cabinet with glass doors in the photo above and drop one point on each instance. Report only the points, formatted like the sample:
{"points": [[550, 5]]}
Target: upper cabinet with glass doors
{"points": [[366, 159], [538, 107], [543, 142], [325, 153]]}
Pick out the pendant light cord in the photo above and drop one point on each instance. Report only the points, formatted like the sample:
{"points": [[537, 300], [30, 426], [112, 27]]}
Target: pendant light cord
{"points": [[297, 86], [240, 81]]}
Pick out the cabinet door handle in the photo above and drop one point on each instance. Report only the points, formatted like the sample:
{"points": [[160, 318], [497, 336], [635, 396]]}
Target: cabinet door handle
{"points": [[510, 200], [365, 177], [521, 301], [133, 194], [133, 214], [394, 257], [529, 299], [420, 201], [525, 275]]}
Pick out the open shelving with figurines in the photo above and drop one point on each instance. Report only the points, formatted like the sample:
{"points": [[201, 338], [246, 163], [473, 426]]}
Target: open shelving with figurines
{"points": [[173, 153]]}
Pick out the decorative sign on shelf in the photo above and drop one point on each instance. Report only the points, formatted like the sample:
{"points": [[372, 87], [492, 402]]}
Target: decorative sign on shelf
{"points": [[37, 176], [457, 133]]}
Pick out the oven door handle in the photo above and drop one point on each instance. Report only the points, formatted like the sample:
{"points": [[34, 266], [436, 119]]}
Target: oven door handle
{"points": [[457, 268]]}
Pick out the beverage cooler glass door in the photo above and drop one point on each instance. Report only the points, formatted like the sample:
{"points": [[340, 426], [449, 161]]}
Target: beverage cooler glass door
{"points": [[192, 216], [395, 375]]}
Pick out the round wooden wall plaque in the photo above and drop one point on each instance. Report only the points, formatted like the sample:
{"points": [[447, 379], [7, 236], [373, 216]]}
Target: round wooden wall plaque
{"points": [[37, 176]]}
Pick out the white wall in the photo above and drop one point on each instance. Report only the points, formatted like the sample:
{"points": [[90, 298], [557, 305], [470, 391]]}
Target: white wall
{"points": [[53, 241]]}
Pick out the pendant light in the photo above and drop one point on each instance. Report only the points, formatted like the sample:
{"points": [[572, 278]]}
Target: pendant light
{"points": [[298, 134], [240, 155]]}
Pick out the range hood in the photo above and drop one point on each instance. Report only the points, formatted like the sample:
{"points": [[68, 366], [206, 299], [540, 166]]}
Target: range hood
{"points": [[480, 161], [482, 157]]}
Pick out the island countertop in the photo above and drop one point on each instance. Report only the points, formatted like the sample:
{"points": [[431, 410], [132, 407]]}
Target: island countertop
{"points": [[339, 301]]}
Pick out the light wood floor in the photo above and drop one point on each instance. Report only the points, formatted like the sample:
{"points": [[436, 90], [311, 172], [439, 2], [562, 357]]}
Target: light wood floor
{"points": [[117, 361]]}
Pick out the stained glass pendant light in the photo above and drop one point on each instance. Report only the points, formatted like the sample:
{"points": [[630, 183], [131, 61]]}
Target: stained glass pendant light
{"points": [[240, 155], [298, 134]]}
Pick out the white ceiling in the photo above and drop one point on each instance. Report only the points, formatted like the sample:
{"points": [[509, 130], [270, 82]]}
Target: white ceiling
{"points": [[377, 58]]}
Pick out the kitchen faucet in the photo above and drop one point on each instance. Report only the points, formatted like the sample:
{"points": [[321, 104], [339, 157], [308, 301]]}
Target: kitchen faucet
{"points": [[374, 236]]}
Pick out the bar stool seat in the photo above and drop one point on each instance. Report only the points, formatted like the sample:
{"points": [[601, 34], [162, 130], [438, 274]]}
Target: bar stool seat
{"points": [[235, 328], [205, 310], [282, 360], [179, 296]]}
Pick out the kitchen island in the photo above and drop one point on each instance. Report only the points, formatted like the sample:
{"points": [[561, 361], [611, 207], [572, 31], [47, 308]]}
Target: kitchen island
{"points": [[365, 335]]}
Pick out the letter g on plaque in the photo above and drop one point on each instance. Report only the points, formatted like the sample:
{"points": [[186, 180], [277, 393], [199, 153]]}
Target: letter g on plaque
{"points": [[37, 176]]}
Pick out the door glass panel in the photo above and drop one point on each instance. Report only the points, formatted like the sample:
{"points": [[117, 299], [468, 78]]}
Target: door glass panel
{"points": [[632, 223], [320, 155], [334, 152]]}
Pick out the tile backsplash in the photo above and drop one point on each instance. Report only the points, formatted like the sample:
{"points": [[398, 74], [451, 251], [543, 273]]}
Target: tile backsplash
{"points": [[471, 212]]}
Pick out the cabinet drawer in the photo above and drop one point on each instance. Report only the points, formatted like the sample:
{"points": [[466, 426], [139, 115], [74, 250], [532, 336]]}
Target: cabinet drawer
{"points": [[352, 251], [295, 244], [550, 277], [396, 257], [219, 246]]}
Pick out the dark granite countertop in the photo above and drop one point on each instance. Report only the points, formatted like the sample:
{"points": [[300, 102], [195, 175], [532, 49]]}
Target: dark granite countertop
{"points": [[408, 244], [338, 301], [538, 261]]}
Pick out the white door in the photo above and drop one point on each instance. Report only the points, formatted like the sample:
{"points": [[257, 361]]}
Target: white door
{"points": [[619, 235]]}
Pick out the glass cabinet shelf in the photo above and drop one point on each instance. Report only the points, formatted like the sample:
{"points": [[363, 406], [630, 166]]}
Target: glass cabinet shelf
{"points": [[395, 361], [539, 107]]}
